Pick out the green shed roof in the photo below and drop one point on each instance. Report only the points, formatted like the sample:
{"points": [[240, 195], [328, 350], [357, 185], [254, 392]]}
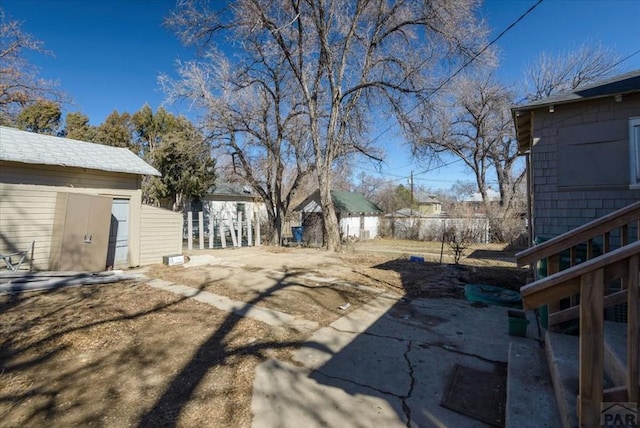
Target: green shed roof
{"points": [[343, 201], [351, 202]]}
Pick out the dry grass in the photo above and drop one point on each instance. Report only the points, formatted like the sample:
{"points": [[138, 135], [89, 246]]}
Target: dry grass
{"points": [[126, 354]]}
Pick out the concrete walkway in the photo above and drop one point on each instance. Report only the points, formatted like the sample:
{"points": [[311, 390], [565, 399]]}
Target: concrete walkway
{"points": [[389, 364], [268, 316], [386, 363]]}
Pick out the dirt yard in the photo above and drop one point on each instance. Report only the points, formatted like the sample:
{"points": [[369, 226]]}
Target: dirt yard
{"points": [[128, 354]]}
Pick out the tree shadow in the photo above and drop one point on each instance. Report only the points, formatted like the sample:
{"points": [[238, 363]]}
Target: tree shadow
{"points": [[19, 354], [395, 361], [398, 353]]}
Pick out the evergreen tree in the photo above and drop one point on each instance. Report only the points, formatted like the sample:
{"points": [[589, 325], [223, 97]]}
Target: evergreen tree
{"points": [[42, 117], [77, 127]]}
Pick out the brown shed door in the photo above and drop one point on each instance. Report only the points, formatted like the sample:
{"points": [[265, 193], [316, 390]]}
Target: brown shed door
{"points": [[83, 233], [95, 249]]}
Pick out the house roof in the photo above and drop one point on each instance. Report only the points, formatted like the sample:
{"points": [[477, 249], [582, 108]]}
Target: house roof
{"points": [[492, 195], [424, 199], [620, 85], [32, 148], [343, 201], [405, 212], [225, 188]]}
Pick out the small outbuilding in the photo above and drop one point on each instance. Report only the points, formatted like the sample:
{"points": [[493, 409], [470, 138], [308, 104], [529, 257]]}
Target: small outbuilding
{"points": [[80, 203], [357, 216]]}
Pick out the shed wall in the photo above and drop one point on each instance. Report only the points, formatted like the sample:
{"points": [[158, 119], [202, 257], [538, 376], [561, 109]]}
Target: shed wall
{"points": [[350, 226], [160, 234], [28, 198]]}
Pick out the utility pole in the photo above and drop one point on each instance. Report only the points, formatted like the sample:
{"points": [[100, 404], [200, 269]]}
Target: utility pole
{"points": [[411, 184]]}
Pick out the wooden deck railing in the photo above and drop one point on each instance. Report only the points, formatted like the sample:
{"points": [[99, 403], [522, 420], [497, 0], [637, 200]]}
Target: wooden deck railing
{"points": [[584, 287], [594, 238]]}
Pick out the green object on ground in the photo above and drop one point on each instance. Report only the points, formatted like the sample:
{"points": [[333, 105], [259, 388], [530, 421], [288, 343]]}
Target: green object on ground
{"points": [[492, 295], [518, 323]]}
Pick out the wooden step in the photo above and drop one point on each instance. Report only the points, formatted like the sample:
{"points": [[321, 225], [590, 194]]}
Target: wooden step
{"points": [[530, 397], [563, 358], [615, 351]]}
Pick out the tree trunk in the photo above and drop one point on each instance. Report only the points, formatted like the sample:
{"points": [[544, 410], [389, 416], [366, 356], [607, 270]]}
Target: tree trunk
{"points": [[330, 227]]}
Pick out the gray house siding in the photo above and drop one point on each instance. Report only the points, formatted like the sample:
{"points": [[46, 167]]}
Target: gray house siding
{"points": [[580, 163]]}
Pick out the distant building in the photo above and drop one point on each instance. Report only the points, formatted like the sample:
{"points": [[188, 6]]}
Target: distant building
{"points": [[427, 205], [357, 216], [475, 204], [221, 206]]}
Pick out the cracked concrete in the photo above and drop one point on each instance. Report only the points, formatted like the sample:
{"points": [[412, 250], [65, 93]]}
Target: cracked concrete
{"points": [[386, 363], [405, 406]]}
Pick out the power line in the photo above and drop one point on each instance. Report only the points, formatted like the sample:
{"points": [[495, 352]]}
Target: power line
{"points": [[404, 177], [463, 66], [458, 71], [625, 58]]}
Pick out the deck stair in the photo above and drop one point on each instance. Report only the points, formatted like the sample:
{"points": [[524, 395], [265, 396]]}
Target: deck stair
{"points": [[600, 364]]}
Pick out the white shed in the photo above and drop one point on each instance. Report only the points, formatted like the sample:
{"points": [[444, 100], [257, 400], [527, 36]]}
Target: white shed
{"points": [[358, 217]]}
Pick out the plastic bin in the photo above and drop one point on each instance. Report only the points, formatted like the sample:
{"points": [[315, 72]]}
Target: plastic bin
{"points": [[297, 233], [518, 323]]}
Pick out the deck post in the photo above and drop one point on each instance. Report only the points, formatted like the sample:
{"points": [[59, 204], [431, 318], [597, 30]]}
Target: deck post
{"points": [[200, 230], [249, 230], [223, 239], [190, 230], [239, 229], [211, 231], [633, 332], [233, 233], [258, 239], [591, 348]]}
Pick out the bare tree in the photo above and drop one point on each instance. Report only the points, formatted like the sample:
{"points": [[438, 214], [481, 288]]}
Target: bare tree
{"points": [[252, 120], [473, 122], [19, 84], [345, 61], [370, 186], [549, 74]]}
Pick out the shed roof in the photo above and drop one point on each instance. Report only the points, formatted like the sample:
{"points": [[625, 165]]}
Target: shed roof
{"points": [[225, 188], [32, 148], [622, 84], [344, 203]]}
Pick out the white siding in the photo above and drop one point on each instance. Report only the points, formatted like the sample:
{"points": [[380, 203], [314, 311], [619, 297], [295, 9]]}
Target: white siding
{"points": [[160, 234], [371, 224], [26, 215], [16, 173], [350, 226]]}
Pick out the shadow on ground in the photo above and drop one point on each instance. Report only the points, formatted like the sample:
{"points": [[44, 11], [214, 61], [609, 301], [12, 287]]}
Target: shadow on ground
{"points": [[390, 361], [93, 383]]}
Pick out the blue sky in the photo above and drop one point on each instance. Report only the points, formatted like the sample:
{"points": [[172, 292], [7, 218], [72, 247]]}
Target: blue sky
{"points": [[107, 54]]}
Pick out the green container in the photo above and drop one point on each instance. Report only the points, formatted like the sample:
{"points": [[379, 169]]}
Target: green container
{"points": [[543, 314], [518, 323]]}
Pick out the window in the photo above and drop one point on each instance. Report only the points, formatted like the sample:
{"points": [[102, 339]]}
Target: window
{"points": [[240, 208], [634, 142]]}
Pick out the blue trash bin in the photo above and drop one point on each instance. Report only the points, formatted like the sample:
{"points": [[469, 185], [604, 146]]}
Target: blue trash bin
{"points": [[297, 233]]}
